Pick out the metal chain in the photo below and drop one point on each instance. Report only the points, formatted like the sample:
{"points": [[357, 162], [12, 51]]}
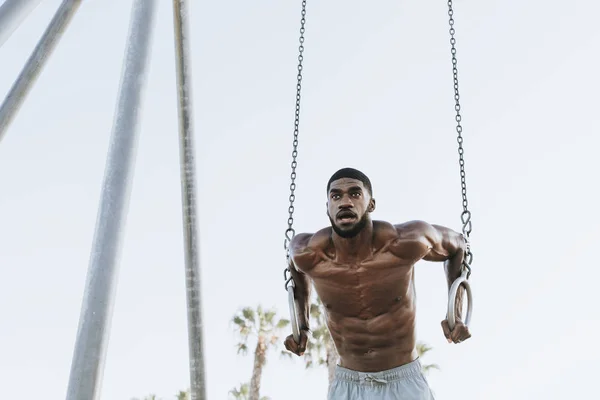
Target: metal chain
{"points": [[466, 214], [289, 233]]}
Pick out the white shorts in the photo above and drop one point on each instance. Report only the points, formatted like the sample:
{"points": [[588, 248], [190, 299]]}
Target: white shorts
{"points": [[406, 382]]}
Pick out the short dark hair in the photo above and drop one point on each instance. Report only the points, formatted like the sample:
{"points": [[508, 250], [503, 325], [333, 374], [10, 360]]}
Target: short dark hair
{"points": [[352, 174]]}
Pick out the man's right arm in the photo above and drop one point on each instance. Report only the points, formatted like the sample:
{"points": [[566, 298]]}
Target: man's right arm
{"points": [[301, 258], [302, 292]]}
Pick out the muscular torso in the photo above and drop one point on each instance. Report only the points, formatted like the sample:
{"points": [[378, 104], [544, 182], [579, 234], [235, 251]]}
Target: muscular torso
{"points": [[369, 299]]}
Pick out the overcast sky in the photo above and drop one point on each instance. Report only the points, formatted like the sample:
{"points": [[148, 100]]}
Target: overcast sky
{"points": [[377, 96]]}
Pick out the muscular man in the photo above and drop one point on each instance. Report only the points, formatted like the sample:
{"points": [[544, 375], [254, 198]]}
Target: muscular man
{"points": [[363, 272]]}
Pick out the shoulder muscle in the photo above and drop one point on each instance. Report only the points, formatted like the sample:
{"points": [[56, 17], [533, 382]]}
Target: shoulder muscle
{"points": [[306, 249], [417, 230], [415, 239]]}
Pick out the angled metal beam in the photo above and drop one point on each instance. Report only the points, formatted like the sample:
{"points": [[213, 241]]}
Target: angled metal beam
{"points": [[12, 14], [36, 62], [93, 333]]}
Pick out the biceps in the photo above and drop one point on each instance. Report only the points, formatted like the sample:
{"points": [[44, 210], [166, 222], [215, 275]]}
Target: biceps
{"points": [[436, 254], [424, 241], [301, 282], [443, 245], [412, 249]]}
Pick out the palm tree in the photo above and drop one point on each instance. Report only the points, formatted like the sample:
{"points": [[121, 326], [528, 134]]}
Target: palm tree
{"points": [[243, 392], [264, 325], [181, 395], [422, 349], [320, 349]]}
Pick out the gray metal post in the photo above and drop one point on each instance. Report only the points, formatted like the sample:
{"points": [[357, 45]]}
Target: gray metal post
{"points": [[12, 14], [188, 194], [35, 63], [87, 367]]}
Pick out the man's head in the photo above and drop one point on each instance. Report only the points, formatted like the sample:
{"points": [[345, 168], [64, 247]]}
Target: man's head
{"points": [[349, 201]]}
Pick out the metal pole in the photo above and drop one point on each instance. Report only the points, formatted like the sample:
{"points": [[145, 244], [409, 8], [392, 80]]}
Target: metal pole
{"points": [[12, 14], [35, 63], [188, 194], [87, 367]]}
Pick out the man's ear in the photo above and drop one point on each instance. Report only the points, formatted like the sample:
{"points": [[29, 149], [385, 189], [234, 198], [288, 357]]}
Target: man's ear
{"points": [[371, 207]]}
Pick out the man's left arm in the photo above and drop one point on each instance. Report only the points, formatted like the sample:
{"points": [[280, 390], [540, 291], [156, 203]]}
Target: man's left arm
{"points": [[448, 246]]}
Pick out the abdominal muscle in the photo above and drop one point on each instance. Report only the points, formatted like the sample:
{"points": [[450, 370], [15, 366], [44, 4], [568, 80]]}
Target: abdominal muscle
{"points": [[372, 324], [377, 344]]}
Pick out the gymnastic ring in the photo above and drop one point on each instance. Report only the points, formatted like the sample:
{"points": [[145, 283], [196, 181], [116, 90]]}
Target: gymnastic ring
{"points": [[293, 314], [462, 280]]}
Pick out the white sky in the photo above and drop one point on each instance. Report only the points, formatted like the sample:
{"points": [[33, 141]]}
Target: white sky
{"points": [[377, 96]]}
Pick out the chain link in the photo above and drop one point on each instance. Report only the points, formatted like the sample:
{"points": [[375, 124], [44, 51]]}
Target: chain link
{"points": [[289, 233], [466, 215]]}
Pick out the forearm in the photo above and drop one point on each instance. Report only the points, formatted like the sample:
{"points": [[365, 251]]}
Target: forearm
{"points": [[302, 293], [453, 247], [453, 269]]}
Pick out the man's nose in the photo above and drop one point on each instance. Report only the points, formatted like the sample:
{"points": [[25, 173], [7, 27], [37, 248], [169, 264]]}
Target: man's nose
{"points": [[346, 203]]}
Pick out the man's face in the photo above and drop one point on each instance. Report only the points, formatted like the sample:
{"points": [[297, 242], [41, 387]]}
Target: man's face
{"points": [[348, 206]]}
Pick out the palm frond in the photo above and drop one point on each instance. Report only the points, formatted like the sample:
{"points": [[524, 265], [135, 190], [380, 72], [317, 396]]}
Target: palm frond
{"points": [[423, 348], [269, 316], [283, 323], [430, 367], [242, 349], [315, 310], [249, 314]]}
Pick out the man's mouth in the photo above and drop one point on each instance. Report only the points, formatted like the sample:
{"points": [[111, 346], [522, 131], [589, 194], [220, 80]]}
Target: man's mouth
{"points": [[346, 217]]}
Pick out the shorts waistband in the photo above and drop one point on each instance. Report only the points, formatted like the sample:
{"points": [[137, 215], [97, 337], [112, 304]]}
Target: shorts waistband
{"points": [[413, 368]]}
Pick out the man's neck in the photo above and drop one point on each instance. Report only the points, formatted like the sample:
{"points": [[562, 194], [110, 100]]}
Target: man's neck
{"points": [[357, 247]]}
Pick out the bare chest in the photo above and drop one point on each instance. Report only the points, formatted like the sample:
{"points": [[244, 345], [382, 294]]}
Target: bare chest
{"points": [[363, 289]]}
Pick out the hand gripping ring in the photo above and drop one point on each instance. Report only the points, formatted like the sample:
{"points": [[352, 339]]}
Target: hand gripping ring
{"points": [[293, 311], [462, 280]]}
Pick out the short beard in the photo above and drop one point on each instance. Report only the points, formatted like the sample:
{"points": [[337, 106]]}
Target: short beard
{"points": [[352, 232]]}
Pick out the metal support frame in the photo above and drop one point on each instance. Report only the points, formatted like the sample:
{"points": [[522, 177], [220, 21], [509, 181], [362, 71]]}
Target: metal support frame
{"points": [[188, 197], [36, 62], [87, 367], [12, 14]]}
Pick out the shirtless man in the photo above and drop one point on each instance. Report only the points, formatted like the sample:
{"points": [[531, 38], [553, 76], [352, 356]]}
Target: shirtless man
{"points": [[363, 273]]}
